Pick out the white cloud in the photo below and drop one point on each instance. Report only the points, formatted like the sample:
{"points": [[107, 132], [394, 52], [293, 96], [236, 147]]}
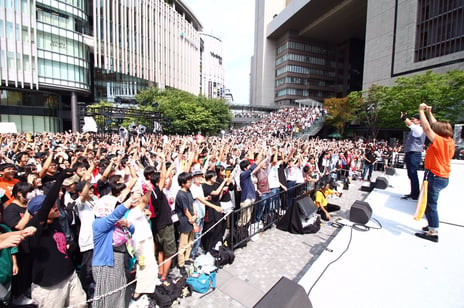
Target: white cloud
{"points": [[233, 22]]}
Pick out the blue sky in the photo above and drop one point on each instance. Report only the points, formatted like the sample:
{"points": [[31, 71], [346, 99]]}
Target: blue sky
{"points": [[233, 22]]}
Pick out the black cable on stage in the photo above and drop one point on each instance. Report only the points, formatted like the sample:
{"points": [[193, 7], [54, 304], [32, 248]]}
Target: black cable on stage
{"points": [[338, 258], [357, 227], [451, 224]]}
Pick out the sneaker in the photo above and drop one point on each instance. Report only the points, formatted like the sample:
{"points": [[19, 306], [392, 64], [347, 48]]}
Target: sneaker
{"points": [[23, 301], [427, 236], [141, 302], [406, 197], [260, 225], [425, 229]]}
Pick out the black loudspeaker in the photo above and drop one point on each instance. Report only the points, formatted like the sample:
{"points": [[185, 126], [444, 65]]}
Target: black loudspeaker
{"points": [[306, 206], [381, 183], [360, 212], [367, 186], [390, 171], [285, 294]]}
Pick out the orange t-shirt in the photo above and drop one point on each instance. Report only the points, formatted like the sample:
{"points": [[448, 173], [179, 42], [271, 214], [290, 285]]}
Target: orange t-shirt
{"points": [[7, 186], [438, 156]]}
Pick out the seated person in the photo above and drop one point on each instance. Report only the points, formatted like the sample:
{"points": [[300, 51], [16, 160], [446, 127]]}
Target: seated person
{"points": [[323, 207]]}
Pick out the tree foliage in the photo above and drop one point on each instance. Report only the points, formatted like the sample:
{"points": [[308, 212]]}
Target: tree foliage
{"points": [[339, 111], [381, 106], [188, 114]]}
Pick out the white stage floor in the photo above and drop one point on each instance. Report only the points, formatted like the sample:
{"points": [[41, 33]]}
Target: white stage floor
{"points": [[392, 267]]}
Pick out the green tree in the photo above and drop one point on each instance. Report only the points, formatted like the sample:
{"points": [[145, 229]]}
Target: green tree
{"points": [[445, 92], [188, 113], [339, 112], [368, 106]]}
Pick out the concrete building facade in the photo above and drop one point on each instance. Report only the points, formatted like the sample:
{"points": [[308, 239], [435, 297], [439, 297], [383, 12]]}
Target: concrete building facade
{"points": [[327, 48], [410, 37], [211, 67]]}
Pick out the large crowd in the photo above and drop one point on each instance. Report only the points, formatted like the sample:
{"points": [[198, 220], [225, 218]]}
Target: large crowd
{"points": [[283, 122], [84, 201]]}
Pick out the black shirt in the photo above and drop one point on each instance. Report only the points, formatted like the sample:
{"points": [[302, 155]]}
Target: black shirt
{"points": [[184, 200], [211, 215], [162, 209], [51, 263]]}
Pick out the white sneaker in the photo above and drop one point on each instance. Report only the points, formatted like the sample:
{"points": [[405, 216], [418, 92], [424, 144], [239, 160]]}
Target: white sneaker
{"points": [[141, 302], [23, 300]]}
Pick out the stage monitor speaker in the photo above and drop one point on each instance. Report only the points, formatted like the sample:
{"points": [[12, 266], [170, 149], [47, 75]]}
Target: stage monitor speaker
{"points": [[285, 294], [360, 212], [381, 182], [390, 171], [306, 206], [367, 186]]}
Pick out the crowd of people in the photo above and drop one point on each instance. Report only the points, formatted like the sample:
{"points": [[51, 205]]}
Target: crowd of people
{"points": [[85, 201], [283, 122]]}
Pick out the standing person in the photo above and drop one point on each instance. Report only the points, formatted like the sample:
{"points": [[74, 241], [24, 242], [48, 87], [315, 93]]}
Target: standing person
{"points": [[437, 167], [369, 161], [413, 148], [108, 265], [8, 180], [248, 194], [54, 279], [187, 218]]}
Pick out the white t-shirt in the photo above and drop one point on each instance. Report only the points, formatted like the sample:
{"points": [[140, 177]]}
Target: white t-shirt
{"points": [[86, 217], [142, 227], [197, 191]]}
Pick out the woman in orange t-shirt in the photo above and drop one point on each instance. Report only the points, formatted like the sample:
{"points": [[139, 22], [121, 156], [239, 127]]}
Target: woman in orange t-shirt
{"points": [[437, 167]]}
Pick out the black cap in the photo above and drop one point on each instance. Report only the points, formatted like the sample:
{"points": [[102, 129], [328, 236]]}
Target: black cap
{"points": [[416, 116]]}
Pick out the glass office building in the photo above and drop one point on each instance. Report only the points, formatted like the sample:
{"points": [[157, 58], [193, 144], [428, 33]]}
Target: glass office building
{"points": [[54, 54]]}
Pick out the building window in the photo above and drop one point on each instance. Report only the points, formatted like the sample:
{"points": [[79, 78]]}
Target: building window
{"points": [[439, 28]]}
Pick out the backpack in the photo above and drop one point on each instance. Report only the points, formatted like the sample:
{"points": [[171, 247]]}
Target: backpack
{"points": [[201, 283], [223, 256], [166, 293]]}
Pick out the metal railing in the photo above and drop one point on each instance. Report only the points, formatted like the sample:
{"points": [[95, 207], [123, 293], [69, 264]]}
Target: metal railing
{"points": [[259, 216]]}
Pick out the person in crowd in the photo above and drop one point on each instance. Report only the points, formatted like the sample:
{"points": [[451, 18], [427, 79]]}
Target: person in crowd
{"points": [[8, 180], [85, 203], [213, 215], [199, 207], [147, 269], [108, 265], [162, 225], [54, 279], [248, 192], [437, 165], [187, 218], [369, 160], [413, 147], [16, 217], [9, 242], [323, 206]]}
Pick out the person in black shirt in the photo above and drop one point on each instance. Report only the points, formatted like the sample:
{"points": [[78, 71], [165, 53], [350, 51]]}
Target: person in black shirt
{"points": [[369, 161], [54, 280], [162, 226], [187, 217]]}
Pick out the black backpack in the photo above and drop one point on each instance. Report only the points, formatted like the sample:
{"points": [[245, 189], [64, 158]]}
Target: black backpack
{"points": [[223, 257]]}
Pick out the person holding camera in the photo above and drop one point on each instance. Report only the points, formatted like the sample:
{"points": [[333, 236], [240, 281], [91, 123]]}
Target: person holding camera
{"points": [[323, 206]]}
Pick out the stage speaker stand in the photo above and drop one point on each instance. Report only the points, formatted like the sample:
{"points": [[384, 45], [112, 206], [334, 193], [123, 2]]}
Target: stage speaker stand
{"points": [[367, 186], [360, 212], [381, 182], [390, 171], [285, 294]]}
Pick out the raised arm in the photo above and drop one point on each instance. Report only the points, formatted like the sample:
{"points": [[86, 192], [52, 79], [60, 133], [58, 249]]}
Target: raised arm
{"points": [[425, 123]]}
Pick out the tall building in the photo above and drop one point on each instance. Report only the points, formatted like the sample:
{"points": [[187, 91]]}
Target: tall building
{"points": [[54, 54], [212, 67], [306, 49], [411, 37], [325, 48]]}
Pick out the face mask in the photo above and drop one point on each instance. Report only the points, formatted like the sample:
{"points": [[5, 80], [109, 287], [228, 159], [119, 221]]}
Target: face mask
{"points": [[30, 195]]}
